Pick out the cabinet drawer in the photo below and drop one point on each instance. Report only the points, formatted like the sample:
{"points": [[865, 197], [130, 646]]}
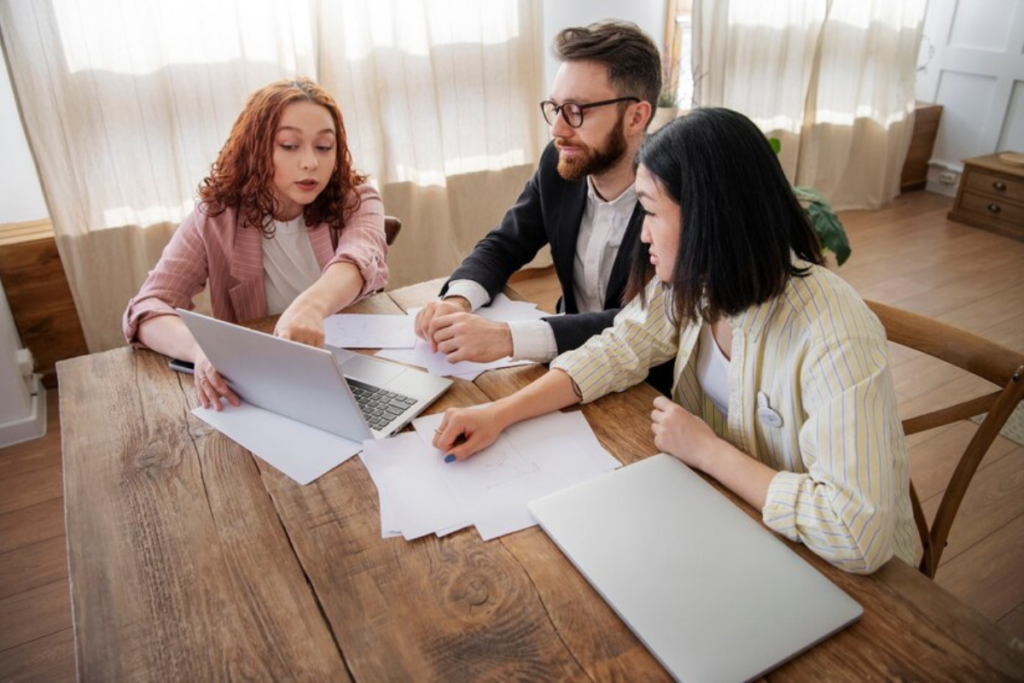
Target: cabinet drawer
{"points": [[992, 209], [995, 185]]}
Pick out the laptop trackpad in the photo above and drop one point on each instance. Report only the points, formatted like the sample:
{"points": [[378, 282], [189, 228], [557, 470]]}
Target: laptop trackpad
{"points": [[369, 370]]}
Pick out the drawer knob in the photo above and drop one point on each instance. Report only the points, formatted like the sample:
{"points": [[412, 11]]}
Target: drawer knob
{"points": [[994, 208], [999, 186]]}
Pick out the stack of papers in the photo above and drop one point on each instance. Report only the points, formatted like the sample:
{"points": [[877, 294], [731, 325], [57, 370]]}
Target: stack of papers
{"points": [[502, 309], [358, 331], [421, 494]]}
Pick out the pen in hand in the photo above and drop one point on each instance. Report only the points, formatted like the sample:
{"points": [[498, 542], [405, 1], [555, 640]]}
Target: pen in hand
{"points": [[459, 440]]}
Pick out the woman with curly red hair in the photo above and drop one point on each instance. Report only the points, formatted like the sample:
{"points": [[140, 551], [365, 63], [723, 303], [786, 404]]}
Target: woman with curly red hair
{"points": [[285, 225]]}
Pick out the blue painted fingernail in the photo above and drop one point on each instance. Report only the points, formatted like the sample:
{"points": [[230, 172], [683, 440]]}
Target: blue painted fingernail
{"points": [[450, 457]]}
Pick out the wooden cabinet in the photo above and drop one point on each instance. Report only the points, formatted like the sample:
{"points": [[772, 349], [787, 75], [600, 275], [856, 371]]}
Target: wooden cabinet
{"points": [[922, 141], [991, 196], [39, 296]]}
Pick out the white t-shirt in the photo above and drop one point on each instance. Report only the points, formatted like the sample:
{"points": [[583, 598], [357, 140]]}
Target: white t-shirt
{"points": [[713, 370], [289, 264]]}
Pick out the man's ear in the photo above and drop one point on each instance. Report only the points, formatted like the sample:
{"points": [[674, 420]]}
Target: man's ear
{"points": [[641, 115]]}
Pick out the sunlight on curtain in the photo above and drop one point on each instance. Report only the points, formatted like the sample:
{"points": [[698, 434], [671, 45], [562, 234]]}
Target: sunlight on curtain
{"points": [[127, 102], [143, 37], [859, 117], [141, 95], [757, 57], [832, 79], [435, 88], [440, 100], [417, 27]]}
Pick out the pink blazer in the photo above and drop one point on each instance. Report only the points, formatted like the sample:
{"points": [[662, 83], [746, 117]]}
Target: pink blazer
{"points": [[214, 252]]}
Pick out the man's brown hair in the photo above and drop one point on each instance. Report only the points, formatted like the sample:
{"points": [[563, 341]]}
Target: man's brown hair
{"points": [[632, 58]]}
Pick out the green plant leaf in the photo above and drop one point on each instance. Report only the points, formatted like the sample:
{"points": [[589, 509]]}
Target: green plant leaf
{"points": [[826, 223]]}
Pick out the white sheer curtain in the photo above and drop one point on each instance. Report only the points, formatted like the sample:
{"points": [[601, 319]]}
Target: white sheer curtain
{"points": [[441, 105], [126, 103], [832, 79]]}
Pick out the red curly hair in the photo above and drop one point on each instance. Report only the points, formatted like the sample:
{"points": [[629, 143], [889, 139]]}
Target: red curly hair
{"points": [[243, 174]]}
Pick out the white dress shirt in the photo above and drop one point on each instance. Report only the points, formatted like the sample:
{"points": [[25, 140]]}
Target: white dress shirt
{"points": [[602, 227]]}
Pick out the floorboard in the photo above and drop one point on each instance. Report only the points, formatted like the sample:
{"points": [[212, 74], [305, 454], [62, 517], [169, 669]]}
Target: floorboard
{"points": [[48, 659], [31, 524], [33, 566], [34, 613]]}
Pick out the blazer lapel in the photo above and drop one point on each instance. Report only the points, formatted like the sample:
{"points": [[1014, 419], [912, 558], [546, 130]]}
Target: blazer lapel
{"points": [[248, 296], [320, 240], [620, 269]]}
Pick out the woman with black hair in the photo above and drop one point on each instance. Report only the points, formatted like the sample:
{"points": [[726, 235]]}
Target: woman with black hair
{"points": [[782, 385]]}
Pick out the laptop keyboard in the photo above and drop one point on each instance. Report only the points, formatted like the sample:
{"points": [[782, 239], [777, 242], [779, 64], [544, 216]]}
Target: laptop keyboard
{"points": [[380, 407]]}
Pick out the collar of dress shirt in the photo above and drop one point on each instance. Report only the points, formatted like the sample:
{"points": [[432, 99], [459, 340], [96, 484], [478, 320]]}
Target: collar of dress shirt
{"points": [[625, 201]]}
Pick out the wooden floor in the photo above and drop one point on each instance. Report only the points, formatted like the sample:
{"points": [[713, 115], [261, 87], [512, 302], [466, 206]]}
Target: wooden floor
{"points": [[907, 255]]}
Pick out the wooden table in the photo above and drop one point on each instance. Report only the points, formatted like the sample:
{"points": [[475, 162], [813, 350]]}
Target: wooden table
{"points": [[192, 560]]}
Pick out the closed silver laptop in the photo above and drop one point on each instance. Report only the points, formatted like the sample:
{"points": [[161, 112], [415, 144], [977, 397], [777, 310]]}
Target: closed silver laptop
{"points": [[712, 594], [345, 393]]}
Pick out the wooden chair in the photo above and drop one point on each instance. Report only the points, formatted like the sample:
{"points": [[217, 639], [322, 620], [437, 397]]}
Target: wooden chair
{"points": [[988, 360], [392, 226]]}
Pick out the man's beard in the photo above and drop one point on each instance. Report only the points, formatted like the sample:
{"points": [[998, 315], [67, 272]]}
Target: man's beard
{"points": [[593, 161]]}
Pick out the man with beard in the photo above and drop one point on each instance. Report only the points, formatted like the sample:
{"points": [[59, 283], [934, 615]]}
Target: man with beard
{"points": [[581, 201]]}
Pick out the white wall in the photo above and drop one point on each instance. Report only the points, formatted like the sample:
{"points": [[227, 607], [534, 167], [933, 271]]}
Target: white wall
{"points": [[649, 15], [21, 198], [976, 72], [22, 406]]}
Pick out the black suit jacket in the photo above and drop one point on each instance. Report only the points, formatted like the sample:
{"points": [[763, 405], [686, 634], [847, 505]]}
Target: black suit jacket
{"points": [[549, 211]]}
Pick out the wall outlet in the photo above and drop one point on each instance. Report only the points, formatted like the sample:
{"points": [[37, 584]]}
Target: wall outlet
{"points": [[948, 178]]}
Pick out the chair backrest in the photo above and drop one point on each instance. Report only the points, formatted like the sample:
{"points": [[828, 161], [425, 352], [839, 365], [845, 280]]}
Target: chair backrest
{"points": [[1001, 366], [392, 226]]}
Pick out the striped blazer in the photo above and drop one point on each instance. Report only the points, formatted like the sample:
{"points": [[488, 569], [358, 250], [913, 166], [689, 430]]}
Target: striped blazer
{"points": [[816, 358], [215, 252]]}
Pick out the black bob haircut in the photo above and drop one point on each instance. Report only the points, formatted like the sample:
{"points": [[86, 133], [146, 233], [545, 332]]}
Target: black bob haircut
{"points": [[740, 221]]}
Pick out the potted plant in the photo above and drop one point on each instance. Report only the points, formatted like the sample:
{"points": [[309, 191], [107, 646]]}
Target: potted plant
{"points": [[824, 220], [668, 98]]}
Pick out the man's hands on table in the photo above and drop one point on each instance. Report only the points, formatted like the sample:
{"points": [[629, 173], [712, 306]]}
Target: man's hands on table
{"points": [[449, 327]]}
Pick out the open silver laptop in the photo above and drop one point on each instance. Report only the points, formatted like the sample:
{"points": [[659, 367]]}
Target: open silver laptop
{"points": [[345, 393], [712, 594]]}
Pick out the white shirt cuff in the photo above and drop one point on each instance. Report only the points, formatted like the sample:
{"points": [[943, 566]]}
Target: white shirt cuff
{"points": [[533, 340], [473, 292]]}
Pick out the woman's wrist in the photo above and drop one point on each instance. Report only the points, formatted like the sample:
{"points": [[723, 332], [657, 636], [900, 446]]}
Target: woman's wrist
{"points": [[507, 412], [716, 460]]}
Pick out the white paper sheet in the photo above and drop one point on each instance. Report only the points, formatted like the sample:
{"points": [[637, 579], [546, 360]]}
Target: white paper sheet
{"points": [[530, 460], [359, 331], [299, 451], [410, 477], [503, 309]]}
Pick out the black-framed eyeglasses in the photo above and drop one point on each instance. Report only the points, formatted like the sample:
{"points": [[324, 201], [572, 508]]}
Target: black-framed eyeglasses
{"points": [[572, 112]]}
